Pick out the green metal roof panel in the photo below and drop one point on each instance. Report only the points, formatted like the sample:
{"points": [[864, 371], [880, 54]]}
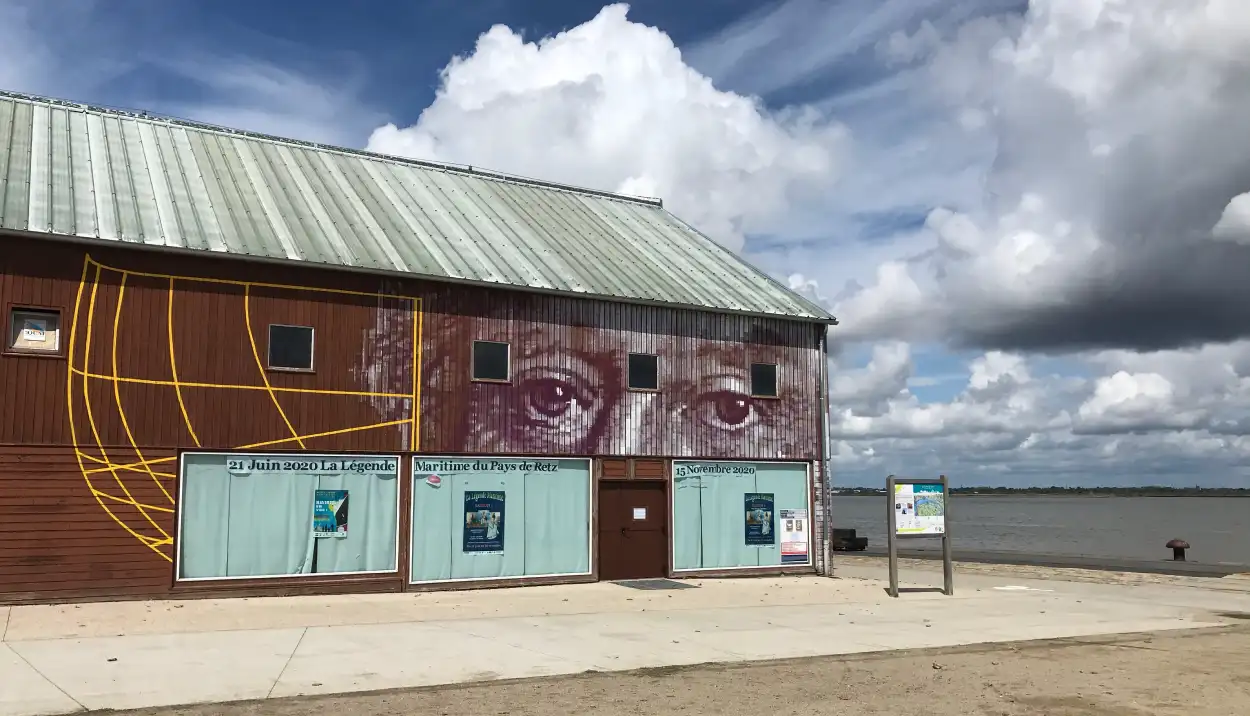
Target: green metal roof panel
{"points": [[74, 170]]}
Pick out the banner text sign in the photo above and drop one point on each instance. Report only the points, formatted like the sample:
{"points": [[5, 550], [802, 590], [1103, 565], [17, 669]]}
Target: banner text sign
{"points": [[919, 509], [305, 464]]}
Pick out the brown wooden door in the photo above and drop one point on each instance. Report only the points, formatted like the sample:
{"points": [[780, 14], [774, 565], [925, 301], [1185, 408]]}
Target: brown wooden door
{"points": [[633, 530]]}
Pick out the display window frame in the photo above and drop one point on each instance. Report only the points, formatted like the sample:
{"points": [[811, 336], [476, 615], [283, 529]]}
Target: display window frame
{"points": [[783, 567], [591, 525], [181, 509]]}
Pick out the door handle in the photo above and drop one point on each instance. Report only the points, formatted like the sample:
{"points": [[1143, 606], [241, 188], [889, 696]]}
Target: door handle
{"points": [[624, 533]]}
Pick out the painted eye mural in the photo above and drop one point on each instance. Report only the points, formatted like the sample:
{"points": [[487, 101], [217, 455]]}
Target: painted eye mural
{"points": [[567, 389], [559, 399], [554, 400], [728, 410]]}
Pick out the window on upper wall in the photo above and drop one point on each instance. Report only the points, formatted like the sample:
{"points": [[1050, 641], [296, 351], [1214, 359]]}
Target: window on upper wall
{"points": [[34, 330], [290, 348], [644, 371], [764, 380], [490, 361]]}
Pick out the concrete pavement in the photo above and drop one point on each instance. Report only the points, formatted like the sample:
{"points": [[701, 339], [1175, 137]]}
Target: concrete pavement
{"points": [[61, 659]]}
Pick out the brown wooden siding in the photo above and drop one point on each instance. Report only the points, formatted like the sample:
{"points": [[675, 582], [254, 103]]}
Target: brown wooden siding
{"points": [[633, 469], [651, 469], [567, 395], [158, 357], [66, 535], [117, 332], [614, 469]]}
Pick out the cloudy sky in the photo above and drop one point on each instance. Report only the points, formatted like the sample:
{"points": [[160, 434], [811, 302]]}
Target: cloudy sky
{"points": [[1032, 217]]}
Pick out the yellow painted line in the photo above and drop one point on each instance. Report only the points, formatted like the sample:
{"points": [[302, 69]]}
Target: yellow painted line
{"points": [[95, 433], [69, 374], [222, 386], [136, 467], [414, 440], [117, 392], [236, 282], [132, 466], [144, 465], [73, 431], [247, 322], [173, 365], [328, 434], [136, 504], [92, 458]]}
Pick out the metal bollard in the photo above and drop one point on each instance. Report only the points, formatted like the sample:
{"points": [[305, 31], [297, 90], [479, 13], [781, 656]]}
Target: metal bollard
{"points": [[1178, 547]]}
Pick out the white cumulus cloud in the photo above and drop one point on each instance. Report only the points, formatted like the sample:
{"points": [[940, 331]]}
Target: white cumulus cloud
{"points": [[611, 104], [1234, 223], [1126, 400], [1118, 127], [1111, 237]]}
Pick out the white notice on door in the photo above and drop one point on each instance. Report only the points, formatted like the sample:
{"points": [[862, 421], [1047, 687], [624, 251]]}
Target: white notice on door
{"points": [[640, 513]]}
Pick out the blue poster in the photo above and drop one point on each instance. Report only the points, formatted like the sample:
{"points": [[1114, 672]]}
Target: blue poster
{"points": [[759, 522], [483, 522], [330, 513]]}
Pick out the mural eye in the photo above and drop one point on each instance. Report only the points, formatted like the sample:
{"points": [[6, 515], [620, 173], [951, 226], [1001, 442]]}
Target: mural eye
{"points": [[550, 397], [728, 410], [553, 399]]}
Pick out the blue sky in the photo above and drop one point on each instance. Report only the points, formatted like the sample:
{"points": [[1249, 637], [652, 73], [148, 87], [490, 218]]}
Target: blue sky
{"points": [[384, 54], [878, 154]]}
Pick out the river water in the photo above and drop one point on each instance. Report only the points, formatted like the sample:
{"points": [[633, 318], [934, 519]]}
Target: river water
{"points": [[1128, 528]]}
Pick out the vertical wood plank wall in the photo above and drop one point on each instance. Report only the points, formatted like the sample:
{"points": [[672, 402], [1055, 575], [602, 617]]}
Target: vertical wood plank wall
{"points": [[163, 353]]}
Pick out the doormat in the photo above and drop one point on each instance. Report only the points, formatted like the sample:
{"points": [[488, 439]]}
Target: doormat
{"points": [[654, 584]]}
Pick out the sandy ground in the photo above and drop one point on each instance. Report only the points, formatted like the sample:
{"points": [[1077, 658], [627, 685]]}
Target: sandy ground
{"points": [[1190, 673]]}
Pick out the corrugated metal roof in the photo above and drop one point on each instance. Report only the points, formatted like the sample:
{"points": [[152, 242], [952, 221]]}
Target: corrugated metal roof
{"points": [[74, 170]]}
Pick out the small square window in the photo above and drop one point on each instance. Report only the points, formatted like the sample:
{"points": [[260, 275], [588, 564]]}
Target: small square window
{"points": [[33, 330], [490, 361], [644, 371], [290, 348], [764, 380]]}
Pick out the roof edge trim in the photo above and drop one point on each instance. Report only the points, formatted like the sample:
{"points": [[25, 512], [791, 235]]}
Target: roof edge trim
{"points": [[410, 276], [822, 314]]}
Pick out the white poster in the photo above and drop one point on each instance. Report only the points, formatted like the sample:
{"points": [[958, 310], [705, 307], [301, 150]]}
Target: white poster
{"points": [[34, 330], [919, 510], [793, 528]]}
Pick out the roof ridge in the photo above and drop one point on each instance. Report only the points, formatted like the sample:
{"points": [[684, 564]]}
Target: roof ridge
{"points": [[468, 169]]}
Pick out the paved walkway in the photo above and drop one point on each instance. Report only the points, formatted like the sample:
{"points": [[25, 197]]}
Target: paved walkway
{"points": [[61, 659]]}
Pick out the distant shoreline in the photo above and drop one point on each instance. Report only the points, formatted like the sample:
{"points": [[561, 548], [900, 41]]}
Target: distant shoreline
{"points": [[1060, 561]]}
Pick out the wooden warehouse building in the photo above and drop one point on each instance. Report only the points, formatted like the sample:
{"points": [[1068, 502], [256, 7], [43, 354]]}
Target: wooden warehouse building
{"points": [[239, 364]]}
